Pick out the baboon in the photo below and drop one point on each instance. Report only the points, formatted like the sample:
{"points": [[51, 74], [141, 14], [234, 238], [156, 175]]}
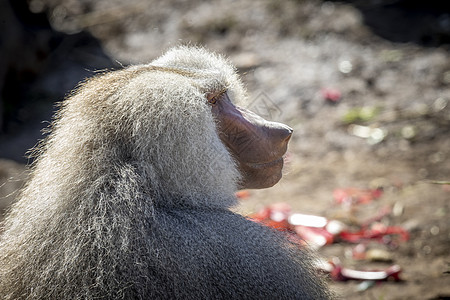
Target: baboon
{"points": [[130, 193]]}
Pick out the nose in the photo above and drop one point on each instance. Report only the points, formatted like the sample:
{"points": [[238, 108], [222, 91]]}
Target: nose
{"points": [[280, 132], [289, 132]]}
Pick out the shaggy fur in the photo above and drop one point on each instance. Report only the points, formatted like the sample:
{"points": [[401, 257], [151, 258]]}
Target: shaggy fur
{"points": [[129, 198]]}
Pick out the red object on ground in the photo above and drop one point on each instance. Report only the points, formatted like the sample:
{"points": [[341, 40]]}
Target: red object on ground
{"points": [[243, 194], [377, 232], [319, 231], [275, 216], [331, 94], [340, 273], [317, 236], [356, 196]]}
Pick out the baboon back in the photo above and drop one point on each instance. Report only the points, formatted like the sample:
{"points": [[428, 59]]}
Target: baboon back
{"points": [[216, 254]]}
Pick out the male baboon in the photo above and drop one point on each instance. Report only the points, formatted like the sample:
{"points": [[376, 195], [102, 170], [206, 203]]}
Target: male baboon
{"points": [[129, 197]]}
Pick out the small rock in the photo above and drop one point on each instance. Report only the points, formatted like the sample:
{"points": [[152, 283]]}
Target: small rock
{"points": [[378, 255]]}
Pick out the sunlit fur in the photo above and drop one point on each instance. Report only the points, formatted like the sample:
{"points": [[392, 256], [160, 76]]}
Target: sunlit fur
{"points": [[129, 198]]}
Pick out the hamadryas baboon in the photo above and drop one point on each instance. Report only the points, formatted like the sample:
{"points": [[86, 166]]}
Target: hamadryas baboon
{"points": [[129, 197]]}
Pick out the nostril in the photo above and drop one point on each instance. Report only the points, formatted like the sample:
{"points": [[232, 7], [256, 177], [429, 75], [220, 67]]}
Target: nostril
{"points": [[288, 133], [279, 133], [284, 133], [289, 136]]}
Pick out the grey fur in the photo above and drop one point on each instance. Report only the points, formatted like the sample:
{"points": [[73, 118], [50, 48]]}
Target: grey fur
{"points": [[130, 195]]}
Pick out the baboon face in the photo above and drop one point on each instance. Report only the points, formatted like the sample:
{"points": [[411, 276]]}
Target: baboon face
{"points": [[256, 144]]}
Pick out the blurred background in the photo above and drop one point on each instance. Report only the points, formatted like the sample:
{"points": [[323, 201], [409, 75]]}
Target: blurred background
{"points": [[364, 84]]}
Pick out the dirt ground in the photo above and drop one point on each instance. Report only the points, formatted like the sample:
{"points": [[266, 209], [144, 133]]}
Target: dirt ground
{"points": [[364, 85]]}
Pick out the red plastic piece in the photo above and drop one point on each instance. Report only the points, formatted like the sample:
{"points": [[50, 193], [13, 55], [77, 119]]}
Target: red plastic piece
{"points": [[331, 94], [356, 196], [320, 231], [377, 232], [275, 216], [317, 236], [243, 194]]}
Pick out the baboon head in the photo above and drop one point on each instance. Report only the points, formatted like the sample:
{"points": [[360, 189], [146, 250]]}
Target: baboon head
{"points": [[256, 145]]}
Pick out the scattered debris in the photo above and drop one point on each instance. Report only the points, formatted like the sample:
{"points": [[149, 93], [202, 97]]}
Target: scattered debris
{"points": [[373, 135], [340, 273], [275, 216], [360, 114], [391, 55], [378, 231], [398, 209], [360, 252], [351, 196], [376, 218], [440, 182], [343, 274], [365, 285], [409, 132], [345, 66], [318, 231], [243, 194], [331, 94], [316, 237]]}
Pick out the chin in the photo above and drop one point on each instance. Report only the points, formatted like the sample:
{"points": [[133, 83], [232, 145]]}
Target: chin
{"points": [[261, 176], [271, 181], [262, 180]]}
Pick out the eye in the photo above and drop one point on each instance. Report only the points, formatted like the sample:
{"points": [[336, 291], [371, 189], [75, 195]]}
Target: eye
{"points": [[213, 97]]}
